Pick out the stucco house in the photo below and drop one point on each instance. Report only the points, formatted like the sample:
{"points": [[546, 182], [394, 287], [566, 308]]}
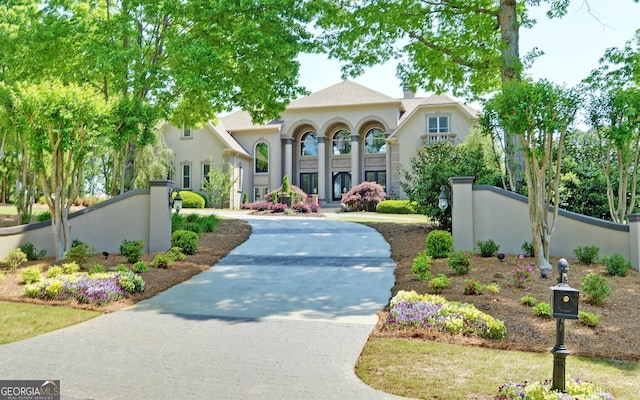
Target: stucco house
{"points": [[326, 142]]}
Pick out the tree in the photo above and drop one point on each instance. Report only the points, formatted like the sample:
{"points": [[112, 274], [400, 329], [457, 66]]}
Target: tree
{"points": [[218, 184], [539, 114], [63, 124]]}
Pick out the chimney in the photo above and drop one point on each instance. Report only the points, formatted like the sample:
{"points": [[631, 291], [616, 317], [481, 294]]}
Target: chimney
{"points": [[408, 93]]}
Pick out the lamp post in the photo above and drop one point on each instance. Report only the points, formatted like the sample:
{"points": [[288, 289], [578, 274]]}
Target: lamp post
{"points": [[175, 202]]}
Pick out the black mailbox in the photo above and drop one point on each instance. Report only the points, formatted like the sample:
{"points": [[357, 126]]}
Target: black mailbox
{"points": [[564, 301]]}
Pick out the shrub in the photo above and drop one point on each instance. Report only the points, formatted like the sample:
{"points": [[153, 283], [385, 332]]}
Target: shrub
{"points": [[439, 244], [297, 195], [15, 258], [596, 288], [245, 198], [192, 227], [439, 283], [131, 250], [122, 268], [76, 242], [70, 268], [31, 252], [80, 253], [588, 319], [616, 264], [587, 255], [488, 248], [162, 260], [131, 282], [472, 287], [543, 310], [43, 216], [93, 290], [52, 290], [396, 207], [176, 254], [186, 240], [277, 207], [493, 288], [421, 266], [575, 390], [364, 196], [54, 271], [140, 267], [521, 275], [209, 223], [177, 221], [460, 261], [96, 269], [528, 300], [31, 275], [192, 199], [527, 249]]}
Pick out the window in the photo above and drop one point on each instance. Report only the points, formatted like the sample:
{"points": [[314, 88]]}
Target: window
{"points": [[187, 133], [259, 192], [438, 124], [206, 168], [261, 158], [342, 142], [309, 183], [309, 144], [380, 177], [186, 176], [375, 142]]}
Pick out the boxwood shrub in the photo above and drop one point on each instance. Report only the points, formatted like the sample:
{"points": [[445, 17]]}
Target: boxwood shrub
{"points": [[192, 199], [186, 240], [395, 207], [439, 244]]}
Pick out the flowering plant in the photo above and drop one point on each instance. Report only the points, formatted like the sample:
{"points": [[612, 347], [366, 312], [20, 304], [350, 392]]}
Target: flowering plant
{"points": [[522, 274], [575, 390], [460, 261]]}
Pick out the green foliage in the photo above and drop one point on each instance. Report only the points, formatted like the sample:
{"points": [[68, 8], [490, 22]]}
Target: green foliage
{"points": [[122, 268], [54, 271], [192, 227], [616, 264], [596, 288], [472, 287], [395, 207], [528, 300], [543, 310], [80, 253], [245, 198], [185, 240], [43, 216], [52, 290], [521, 275], [493, 288], [421, 266], [176, 254], [31, 275], [439, 244], [191, 199], [177, 220], [488, 248], [131, 250], [218, 184], [286, 186], [527, 249], [131, 282], [140, 267], [587, 255], [70, 268], [76, 242], [575, 390], [588, 319], [439, 283], [162, 260], [15, 258], [29, 249], [460, 261], [96, 269]]}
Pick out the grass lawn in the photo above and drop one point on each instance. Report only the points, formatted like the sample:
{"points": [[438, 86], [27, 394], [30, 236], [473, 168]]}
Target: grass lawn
{"points": [[431, 370], [20, 320], [364, 217]]}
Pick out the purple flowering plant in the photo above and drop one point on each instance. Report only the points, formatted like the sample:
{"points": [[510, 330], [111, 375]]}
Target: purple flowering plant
{"points": [[575, 390], [522, 274]]}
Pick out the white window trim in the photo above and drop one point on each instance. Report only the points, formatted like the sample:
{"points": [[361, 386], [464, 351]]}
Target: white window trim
{"points": [[438, 115], [182, 176], [186, 133], [259, 192]]}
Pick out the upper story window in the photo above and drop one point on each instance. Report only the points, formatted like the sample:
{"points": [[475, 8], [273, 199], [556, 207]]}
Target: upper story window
{"points": [[438, 124], [187, 133], [375, 142], [342, 142], [309, 144], [186, 176], [261, 158]]}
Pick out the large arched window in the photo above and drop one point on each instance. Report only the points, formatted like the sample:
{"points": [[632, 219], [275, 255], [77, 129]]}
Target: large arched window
{"points": [[374, 142], [309, 144], [261, 158], [342, 142]]}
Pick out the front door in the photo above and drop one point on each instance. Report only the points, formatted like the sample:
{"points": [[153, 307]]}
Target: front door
{"points": [[341, 184]]}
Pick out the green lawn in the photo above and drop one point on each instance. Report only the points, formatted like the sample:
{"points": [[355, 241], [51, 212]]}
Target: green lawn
{"points": [[430, 370], [20, 320], [8, 210], [365, 217]]}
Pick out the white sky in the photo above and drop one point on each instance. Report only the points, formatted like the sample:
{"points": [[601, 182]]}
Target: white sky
{"points": [[572, 46]]}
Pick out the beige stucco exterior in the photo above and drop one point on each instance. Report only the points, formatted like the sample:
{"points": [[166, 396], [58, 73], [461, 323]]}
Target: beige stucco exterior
{"points": [[346, 110]]}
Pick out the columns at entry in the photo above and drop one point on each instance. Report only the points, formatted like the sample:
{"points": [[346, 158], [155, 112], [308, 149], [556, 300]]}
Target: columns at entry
{"points": [[355, 157], [288, 157], [322, 168]]}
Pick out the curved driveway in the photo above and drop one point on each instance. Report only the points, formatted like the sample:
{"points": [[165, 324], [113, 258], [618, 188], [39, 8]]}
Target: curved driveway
{"points": [[283, 316]]}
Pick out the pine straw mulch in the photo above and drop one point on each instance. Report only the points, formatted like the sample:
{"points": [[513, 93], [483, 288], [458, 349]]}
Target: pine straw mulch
{"points": [[616, 337]]}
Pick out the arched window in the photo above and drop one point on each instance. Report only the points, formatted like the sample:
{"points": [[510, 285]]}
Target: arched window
{"points": [[342, 142], [261, 158], [374, 142], [309, 144]]}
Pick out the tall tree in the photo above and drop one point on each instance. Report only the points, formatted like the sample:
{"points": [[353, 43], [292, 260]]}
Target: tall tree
{"points": [[539, 115]]}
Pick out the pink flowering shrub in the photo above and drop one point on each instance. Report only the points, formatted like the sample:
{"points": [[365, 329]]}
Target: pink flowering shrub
{"points": [[297, 194], [365, 196], [522, 274]]}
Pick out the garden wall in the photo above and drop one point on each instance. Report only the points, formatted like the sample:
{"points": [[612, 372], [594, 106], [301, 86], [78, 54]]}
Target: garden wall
{"points": [[482, 212], [139, 214]]}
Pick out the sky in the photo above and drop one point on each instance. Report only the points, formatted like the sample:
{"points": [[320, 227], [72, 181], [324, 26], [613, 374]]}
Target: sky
{"points": [[572, 46]]}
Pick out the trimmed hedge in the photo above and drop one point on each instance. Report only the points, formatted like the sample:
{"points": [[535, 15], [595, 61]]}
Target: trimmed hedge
{"points": [[396, 207], [192, 199]]}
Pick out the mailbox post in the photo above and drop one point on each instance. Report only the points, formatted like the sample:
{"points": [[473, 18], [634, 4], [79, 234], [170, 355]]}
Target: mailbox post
{"points": [[564, 305]]}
